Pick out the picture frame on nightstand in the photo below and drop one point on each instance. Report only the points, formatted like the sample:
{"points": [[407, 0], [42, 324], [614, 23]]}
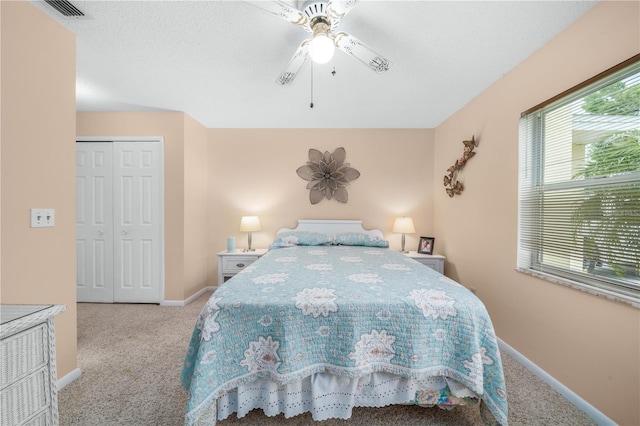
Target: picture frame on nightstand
{"points": [[425, 245]]}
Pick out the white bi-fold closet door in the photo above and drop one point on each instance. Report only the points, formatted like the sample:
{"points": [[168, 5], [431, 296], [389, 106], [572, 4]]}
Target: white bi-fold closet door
{"points": [[119, 217]]}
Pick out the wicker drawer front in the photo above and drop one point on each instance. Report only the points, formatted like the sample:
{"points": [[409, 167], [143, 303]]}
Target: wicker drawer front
{"points": [[23, 353], [42, 419], [25, 398], [236, 264]]}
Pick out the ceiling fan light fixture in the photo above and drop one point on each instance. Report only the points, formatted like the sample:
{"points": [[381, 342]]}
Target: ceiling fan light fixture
{"points": [[321, 47]]}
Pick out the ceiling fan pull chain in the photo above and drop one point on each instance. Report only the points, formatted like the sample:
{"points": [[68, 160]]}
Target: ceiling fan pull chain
{"points": [[311, 104]]}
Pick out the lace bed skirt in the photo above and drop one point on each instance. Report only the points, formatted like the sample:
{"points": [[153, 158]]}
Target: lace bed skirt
{"points": [[327, 396]]}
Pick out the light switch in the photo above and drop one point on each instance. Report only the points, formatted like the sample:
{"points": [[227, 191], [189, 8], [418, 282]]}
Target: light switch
{"points": [[41, 218]]}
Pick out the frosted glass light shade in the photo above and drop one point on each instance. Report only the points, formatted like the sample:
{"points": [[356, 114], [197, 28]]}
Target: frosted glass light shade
{"points": [[404, 225], [250, 224], [321, 48]]}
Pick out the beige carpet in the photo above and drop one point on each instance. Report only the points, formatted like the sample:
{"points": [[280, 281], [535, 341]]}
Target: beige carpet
{"points": [[131, 357]]}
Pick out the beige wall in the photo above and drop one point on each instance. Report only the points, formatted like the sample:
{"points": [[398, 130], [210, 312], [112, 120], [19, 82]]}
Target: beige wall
{"points": [[184, 187], [253, 172], [588, 343], [196, 215], [38, 167]]}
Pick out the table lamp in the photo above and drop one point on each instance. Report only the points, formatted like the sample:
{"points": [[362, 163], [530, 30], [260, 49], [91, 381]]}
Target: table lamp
{"points": [[404, 225], [250, 224]]}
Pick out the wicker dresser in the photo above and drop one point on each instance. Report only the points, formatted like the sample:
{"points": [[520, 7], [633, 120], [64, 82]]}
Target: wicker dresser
{"points": [[28, 383]]}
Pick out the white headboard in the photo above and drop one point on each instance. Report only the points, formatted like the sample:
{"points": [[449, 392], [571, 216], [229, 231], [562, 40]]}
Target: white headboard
{"points": [[331, 227]]}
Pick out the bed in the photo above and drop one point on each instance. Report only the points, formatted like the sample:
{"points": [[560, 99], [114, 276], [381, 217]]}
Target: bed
{"points": [[329, 319]]}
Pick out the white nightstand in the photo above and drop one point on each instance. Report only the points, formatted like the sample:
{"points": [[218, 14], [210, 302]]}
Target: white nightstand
{"points": [[230, 264], [433, 261]]}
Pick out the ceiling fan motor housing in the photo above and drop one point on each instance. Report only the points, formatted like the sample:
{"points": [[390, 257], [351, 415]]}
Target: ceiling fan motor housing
{"points": [[316, 12], [313, 8]]}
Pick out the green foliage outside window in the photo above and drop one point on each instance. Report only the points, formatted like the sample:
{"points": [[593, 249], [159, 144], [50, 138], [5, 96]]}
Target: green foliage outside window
{"points": [[607, 221]]}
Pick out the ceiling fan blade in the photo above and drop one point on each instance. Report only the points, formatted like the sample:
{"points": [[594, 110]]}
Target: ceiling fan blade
{"points": [[293, 67], [363, 53], [337, 9], [284, 11]]}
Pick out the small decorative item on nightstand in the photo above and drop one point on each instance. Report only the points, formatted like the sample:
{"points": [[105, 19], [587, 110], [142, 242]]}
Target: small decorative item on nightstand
{"points": [[230, 263], [425, 246]]}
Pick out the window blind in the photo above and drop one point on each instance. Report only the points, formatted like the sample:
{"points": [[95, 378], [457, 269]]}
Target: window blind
{"points": [[579, 186]]}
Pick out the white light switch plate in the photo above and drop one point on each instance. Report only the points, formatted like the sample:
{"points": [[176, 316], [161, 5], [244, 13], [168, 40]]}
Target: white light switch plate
{"points": [[41, 218]]}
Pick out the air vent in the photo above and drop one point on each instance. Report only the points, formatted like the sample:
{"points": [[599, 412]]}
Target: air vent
{"points": [[65, 8]]}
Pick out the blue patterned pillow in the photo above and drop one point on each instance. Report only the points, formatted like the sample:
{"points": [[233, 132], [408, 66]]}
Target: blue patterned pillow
{"points": [[301, 238], [358, 239]]}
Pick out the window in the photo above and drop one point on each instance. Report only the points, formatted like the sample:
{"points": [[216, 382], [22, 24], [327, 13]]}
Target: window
{"points": [[579, 186]]}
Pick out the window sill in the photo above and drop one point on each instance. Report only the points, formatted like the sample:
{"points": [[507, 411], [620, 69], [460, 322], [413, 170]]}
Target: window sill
{"points": [[596, 291]]}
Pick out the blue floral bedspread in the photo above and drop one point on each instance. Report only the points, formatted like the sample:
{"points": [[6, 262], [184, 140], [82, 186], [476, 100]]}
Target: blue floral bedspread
{"points": [[348, 311]]}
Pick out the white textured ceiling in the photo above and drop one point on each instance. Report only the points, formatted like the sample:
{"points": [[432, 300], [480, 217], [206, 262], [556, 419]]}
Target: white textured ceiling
{"points": [[218, 60]]}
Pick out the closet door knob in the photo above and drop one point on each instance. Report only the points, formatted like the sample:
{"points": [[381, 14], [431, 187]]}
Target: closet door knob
{"points": [[100, 233], [124, 232]]}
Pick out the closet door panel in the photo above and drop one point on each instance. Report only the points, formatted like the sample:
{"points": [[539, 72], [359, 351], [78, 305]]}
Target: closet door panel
{"points": [[137, 222], [94, 222]]}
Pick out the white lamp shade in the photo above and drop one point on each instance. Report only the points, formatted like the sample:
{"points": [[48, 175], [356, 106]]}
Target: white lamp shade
{"points": [[250, 224], [404, 225], [321, 49]]}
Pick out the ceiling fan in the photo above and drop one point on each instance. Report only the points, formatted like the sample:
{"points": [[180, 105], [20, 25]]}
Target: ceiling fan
{"points": [[321, 18]]}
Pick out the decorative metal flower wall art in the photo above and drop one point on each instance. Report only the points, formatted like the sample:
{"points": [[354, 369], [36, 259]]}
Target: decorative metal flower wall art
{"points": [[451, 183], [328, 175]]}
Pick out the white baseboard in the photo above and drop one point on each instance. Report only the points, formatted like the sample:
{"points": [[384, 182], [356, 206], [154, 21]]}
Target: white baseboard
{"points": [[188, 300], [591, 411], [67, 379]]}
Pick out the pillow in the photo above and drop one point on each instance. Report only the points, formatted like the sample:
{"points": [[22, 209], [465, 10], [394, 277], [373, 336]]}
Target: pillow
{"points": [[359, 239], [301, 238]]}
